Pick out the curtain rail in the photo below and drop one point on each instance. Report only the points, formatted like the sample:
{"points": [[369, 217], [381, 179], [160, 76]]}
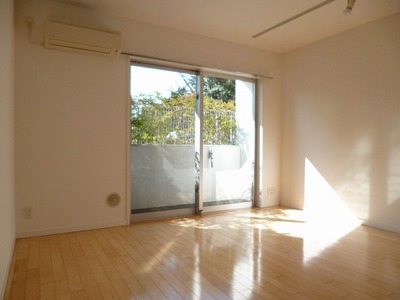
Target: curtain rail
{"points": [[192, 67]]}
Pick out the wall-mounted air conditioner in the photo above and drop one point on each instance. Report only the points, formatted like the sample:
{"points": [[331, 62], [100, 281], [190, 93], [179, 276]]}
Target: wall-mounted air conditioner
{"points": [[80, 39]]}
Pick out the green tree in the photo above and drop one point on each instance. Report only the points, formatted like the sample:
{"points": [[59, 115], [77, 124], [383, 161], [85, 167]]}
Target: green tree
{"points": [[219, 88], [214, 87], [170, 120], [160, 120], [219, 124]]}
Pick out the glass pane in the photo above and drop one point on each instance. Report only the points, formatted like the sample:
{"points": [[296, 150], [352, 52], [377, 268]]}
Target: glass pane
{"points": [[228, 141], [162, 139]]}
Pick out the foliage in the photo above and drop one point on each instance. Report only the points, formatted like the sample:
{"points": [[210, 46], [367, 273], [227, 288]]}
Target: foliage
{"points": [[214, 87], [157, 120], [219, 88], [170, 120], [219, 125]]}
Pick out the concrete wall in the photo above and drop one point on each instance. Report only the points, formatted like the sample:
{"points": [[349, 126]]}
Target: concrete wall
{"points": [[230, 175], [341, 121], [72, 132], [163, 175], [7, 212]]}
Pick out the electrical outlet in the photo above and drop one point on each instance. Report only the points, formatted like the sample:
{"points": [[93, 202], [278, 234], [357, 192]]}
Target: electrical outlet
{"points": [[271, 191], [27, 212]]}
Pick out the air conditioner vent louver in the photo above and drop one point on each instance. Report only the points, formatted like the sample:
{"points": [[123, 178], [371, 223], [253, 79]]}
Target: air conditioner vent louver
{"points": [[79, 39]]}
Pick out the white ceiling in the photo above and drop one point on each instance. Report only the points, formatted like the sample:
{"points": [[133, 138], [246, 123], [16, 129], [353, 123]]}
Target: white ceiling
{"points": [[238, 20]]}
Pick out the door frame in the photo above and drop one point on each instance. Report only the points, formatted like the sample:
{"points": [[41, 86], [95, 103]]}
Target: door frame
{"points": [[199, 149]]}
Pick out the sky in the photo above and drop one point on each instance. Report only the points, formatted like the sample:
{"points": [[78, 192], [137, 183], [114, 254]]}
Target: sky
{"points": [[145, 80]]}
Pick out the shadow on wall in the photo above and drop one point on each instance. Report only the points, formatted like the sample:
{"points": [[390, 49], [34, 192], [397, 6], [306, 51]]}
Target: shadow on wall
{"points": [[384, 179], [246, 144], [357, 155], [366, 183], [370, 181]]}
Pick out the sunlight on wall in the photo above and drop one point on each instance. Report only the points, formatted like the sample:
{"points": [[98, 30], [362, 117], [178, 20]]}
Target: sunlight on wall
{"points": [[327, 215]]}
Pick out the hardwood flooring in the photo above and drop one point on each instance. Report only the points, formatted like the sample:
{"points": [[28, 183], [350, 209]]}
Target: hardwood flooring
{"points": [[269, 253]]}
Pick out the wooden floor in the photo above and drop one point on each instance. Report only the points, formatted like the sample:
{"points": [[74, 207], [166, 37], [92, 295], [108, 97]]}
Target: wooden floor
{"points": [[255, 254]]}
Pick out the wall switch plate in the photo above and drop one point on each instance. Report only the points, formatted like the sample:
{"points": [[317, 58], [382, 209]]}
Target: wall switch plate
{"points": [[27, 212]]}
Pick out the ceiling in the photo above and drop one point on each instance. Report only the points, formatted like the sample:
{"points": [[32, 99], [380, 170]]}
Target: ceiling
{"points": [[238, 20]]}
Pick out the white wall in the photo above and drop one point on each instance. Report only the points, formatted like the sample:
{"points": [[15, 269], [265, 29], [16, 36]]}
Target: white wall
{"points": [[342, 114], [7, 213], [271, 93], [70, 133], [71, 114]]}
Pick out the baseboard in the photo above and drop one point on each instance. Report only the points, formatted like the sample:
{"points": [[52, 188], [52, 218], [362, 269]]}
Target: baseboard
{"points": [[69, 229], [161, 215], [227, 207], [6, 285], [386, 227]]}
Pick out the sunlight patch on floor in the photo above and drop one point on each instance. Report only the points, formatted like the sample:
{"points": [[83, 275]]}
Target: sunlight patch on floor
{"points": [[195, 223], [324, 221], [155, 260]]}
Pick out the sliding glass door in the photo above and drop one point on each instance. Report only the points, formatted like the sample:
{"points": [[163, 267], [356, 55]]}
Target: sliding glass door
{"points": [[228, 142], [162, 139], [192, 141]]}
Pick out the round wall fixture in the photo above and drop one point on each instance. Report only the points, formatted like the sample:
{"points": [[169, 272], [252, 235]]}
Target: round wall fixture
{"points": [[113, 199]]}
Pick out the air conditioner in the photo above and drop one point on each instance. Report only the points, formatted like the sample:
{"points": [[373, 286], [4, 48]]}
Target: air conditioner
{"points": [[80, 39]]}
